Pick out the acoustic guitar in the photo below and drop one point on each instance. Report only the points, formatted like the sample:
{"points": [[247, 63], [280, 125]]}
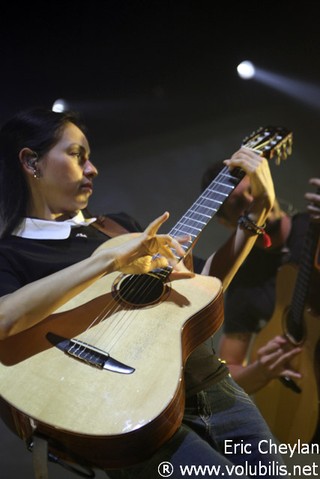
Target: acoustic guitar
{"points": [[291, 406], [102, 378]]}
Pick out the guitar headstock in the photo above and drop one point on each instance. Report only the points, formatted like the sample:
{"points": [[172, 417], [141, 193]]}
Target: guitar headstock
{"points": [[271, 142]]}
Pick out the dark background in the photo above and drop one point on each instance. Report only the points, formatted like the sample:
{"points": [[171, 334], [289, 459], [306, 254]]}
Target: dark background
{"points": [[156, 83]]}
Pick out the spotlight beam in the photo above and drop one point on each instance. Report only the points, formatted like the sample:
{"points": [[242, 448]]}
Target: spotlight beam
{"points": [[307, 93]]}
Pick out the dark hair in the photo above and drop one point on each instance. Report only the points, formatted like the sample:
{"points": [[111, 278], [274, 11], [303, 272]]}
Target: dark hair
{"points": [[38, 129]]}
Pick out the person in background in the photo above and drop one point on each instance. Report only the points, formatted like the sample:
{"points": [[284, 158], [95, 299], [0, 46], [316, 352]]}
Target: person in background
{"points": [[250, 299], [49, 253]]}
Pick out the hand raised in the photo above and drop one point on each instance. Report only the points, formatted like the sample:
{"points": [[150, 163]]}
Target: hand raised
{"points": [[149, 250]]}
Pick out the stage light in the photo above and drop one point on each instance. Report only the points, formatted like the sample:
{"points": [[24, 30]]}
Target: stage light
{"points": [[302, 91], [246, 70], [59, 105]]}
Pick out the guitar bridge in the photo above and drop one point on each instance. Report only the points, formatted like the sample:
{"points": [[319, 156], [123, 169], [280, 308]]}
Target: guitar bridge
{"points": [[88, 354]]}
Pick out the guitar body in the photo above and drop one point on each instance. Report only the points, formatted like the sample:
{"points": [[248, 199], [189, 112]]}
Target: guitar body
{"points": [[104, 417], [291, 415]]}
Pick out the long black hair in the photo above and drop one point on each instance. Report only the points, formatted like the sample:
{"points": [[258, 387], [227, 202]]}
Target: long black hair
{"points": [[38, 129]]}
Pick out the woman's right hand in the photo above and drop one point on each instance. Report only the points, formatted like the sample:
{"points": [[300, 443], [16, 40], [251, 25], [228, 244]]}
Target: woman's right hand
{"points": [[148, 250]]}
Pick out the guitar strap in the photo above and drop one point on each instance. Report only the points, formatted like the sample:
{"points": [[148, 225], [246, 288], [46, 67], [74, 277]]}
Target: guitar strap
{"points": [[109, 226], [40, 458]]}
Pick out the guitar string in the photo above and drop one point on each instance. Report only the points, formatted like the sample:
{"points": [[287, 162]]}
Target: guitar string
{"points": [[118, 327], [111, 327], [148, 286], [127, 313], [94, 336]]}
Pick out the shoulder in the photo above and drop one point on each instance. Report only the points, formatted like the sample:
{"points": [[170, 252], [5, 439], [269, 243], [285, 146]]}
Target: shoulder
{"points": [[10, 242], [12, 249]]}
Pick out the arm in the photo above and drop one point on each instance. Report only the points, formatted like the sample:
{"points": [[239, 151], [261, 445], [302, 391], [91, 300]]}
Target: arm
{"points": [[227, 260], [32, 303]]}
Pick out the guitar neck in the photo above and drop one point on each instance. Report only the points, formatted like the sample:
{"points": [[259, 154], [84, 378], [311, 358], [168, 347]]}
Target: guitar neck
{"points": [[197, 217], [270, 142], [301, 289]]}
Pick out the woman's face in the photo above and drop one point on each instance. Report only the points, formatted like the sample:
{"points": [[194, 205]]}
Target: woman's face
{"points": [[66, 175]]}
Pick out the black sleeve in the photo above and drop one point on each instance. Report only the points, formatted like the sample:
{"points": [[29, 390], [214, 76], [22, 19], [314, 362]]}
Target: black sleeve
{"points": [[9, 281]]}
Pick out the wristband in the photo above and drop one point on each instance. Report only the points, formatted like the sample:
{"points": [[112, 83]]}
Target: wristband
{"points": [[245, 222]]}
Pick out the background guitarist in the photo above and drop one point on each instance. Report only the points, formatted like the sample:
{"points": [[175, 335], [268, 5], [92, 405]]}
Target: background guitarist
{"points": [[250, 300], [47, 256]]}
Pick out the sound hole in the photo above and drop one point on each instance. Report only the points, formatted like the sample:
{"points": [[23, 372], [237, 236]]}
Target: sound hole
{"points": [[140, 289]]}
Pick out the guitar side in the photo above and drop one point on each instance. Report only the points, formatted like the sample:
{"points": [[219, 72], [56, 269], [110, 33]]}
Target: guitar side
{"points": [[105, 417], [291, 415]]}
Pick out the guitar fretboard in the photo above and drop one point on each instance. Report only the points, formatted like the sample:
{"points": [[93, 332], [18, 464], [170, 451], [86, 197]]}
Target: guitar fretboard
{"points": [[197, 217]]}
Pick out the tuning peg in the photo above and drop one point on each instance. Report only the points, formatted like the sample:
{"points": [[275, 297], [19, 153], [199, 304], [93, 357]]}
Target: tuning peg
{"points": [[289, 145], [278, 156], [284, 152]]}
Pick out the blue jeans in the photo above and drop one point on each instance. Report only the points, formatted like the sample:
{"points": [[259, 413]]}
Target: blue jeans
{"points": [[222, 435]]}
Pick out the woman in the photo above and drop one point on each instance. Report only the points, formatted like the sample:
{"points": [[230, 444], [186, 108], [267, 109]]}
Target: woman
{"points": [[48, 255], [52, 182]]}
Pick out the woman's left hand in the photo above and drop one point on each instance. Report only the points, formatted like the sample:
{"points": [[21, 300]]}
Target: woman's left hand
{"points": [[257, 168]]}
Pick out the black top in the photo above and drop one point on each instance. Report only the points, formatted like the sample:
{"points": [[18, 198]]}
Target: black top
{"points": [[23, 261], [250, 298]]}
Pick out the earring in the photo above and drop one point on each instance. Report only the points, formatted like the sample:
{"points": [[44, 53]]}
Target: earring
{"points": [[36, 173]]}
